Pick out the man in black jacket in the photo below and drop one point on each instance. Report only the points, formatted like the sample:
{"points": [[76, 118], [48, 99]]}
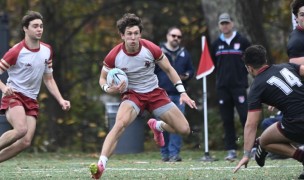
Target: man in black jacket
{"points": [[231, 79]]}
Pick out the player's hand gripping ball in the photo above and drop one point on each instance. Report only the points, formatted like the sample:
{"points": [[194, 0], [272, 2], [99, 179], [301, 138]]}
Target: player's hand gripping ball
{"points": [[116, 76]]}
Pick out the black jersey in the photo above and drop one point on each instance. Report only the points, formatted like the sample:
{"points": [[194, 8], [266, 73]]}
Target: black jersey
{"points": [[295, 46], [279, 86], [229, 66]]}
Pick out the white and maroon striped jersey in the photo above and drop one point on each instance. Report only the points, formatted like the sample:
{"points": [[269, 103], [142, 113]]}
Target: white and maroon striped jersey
{"points": [[139, 67], [25, 67]]}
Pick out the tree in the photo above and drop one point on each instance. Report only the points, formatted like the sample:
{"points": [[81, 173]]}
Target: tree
{"points": [[263, 22]]}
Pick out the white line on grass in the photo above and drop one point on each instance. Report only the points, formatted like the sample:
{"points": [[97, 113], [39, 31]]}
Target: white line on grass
{"points": [[194, 168], [150, 169]]}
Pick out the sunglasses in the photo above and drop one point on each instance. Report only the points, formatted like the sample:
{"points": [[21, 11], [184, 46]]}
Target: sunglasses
{"points": [[174, 36]]}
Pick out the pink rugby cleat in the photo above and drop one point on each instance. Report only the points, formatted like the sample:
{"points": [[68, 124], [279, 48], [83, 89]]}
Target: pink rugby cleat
{"points": [[158, 135], [96, 170]]}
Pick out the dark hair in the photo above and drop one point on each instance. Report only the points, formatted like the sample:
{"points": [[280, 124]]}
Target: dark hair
{"points": [[27, 18], [296, 5], [255, 56], [30, 16], [128, 20], [173, 27]]}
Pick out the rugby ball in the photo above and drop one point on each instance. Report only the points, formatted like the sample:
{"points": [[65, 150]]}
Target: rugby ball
{"points": [[116, 76]]}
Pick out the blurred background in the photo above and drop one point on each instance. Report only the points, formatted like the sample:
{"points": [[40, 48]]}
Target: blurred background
{"points": [[82, 32]]}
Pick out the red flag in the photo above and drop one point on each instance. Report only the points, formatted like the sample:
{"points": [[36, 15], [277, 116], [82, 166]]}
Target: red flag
{"points": [[206, 65]]}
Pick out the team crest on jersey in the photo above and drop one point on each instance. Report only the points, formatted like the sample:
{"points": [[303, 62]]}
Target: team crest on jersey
{"points": [[124, 69], [221, 47], [236, 46], [182, 54], [28, 65], [241, 99], [147, 64]]}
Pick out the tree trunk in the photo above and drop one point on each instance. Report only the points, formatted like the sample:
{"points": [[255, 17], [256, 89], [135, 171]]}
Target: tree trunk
{"points": [[247, 17], [251, 16], [212, 9]]}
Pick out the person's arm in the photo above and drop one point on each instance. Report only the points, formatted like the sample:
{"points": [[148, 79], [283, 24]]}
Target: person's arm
{"points": [[51, 85], [249, 137], [6, 90], [165, 65], [297, 60], [106, 88], [189, 68], [214, 45], [250, 129], [302, 70]]}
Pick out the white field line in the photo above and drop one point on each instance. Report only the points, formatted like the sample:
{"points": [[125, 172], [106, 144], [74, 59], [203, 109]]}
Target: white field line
{"points": [[150, 169]]}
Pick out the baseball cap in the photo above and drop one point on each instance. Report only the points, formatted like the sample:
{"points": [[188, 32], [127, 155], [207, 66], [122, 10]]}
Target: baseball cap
{"points": [[224, 17]]}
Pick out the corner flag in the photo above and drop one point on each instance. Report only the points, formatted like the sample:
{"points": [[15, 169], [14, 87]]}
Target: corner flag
{"points": [[206, 64], [205, 67]]}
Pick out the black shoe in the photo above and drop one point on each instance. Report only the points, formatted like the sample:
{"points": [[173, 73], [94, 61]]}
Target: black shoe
{"points": [[175, 158], [165, 159], [260, 154]]}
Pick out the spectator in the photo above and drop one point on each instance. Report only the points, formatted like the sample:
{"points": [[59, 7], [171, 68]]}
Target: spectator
{"points": [[231, 79], [180, 60], [270, 120], [295, 46]]}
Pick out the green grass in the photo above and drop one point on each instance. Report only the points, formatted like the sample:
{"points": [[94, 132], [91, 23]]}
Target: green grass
{"points": [[144, 166]]}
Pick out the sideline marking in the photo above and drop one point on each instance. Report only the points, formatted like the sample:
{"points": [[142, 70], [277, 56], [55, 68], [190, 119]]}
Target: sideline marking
{"points": [[153, 169]]}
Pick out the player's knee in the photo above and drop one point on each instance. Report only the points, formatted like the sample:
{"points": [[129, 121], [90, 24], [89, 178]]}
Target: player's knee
{"points": [[20, 132], [264, 144], [184, 130], [26, 142]]}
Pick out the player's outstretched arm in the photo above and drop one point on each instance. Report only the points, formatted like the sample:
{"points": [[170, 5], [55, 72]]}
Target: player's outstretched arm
{"points": [[165, 65], [53, 88], [184, 98]]}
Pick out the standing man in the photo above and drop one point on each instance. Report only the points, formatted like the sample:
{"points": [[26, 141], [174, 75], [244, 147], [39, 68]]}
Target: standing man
{"points": [[279, 86], [27, 63], [180, 60], [231, 79], [295, 46], [137, 57]]}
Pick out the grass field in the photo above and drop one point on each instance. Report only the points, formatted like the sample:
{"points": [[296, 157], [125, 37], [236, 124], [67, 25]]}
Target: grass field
{"points": [[146, 166]]}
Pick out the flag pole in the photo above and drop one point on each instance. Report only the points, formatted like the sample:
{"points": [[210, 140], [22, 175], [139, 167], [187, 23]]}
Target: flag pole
{"points": [[205, 115], [206, 156]]}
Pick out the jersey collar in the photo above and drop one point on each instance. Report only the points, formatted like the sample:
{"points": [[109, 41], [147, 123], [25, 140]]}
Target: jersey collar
{"points": [[262, 69], [131, 54], [32, 50]]}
